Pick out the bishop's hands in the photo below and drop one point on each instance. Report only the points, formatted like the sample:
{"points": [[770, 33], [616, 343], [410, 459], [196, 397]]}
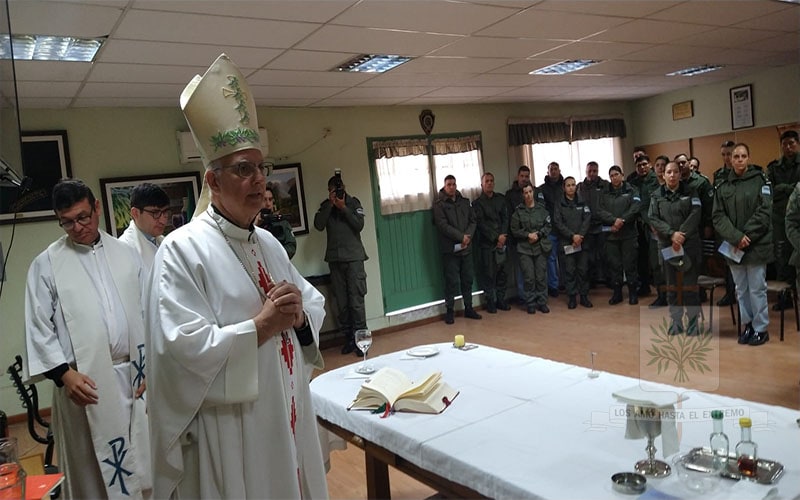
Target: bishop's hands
{"points": [[282, 310], [80, 388]]}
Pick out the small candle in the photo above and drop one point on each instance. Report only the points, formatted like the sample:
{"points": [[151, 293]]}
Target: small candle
{"points": [[459, 341]]}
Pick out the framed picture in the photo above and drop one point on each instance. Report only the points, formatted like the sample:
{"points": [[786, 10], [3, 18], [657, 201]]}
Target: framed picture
{"points": [[742, 107], [183, 189], [286, 182], [682, 110], [45, 160]]}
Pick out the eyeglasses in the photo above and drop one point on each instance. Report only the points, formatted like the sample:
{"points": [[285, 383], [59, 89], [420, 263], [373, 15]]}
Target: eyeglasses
{"points": [[83, 220], [248, 169], [157, 214]]}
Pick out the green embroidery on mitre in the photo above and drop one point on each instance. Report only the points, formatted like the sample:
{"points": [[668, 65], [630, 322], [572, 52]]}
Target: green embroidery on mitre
{"points": [[234, 137], [239, 96]]}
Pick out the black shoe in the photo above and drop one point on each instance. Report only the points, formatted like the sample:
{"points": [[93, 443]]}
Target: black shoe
{"points": [[585, 301], [633, 299], [471, 314], [544, 309], [759, 338], [644, 291], [726, 300], [571, 303], [491, 308], [531, 309], [553, 292], [448, 317], [349, 346], [503, 306], [676, 328], [661, 301], [616, 297], [744, 338]]}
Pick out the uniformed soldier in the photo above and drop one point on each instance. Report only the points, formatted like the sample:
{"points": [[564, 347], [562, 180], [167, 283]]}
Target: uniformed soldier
{"points": [[656, 269], [743, 219], [793, 227], [783, 174], [552, 189], [619, 208], [590, 190], [726, 151], [491, 216], [530, 227], [455, 221], [704, 189], [274, 222], [675, 211], [646, 182], [513, 200], [342, 217], [571, 223]]}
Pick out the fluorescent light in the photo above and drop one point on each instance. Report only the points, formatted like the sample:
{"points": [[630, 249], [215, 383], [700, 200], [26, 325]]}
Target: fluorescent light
{"points": [[49, 48], [372, 63], [696, 70], [565, 67]]}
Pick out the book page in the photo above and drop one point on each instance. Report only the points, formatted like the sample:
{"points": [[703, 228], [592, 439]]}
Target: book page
{"points": [[423, 388], [433, 403], [389, 383]]}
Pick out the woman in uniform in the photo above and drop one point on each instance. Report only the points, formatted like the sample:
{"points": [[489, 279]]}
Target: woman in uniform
{"points": [[530, 226]]}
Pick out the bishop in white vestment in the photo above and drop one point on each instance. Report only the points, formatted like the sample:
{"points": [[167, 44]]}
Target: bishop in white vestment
{"points": [[233, 327], [84, 330]]}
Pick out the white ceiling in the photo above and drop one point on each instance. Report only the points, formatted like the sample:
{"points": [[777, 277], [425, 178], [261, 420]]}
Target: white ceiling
{"points": [[471, 51]]}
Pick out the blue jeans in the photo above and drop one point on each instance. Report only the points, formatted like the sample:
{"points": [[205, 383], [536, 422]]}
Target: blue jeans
{"points": [[751, 291], [552, 263]]}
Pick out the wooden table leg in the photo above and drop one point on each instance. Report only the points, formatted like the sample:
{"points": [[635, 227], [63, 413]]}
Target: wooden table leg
{"points": [[377, 476]]}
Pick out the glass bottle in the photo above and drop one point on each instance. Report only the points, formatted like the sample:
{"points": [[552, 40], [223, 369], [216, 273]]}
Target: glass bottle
{"points": [[746, 450], [719, 443]]}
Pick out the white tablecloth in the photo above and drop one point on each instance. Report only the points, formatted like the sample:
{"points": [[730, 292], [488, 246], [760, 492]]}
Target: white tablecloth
{"points": [[527, 427]]}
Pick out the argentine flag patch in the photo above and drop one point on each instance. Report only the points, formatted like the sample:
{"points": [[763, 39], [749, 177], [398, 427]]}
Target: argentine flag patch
{"points": [[696, 202], [766, 190]]}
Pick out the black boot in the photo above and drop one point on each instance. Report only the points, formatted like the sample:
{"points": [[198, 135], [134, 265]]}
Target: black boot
{"points": [[616, 297], [349, 344], [661, 301], [491, 307], [448, 316], [633, 298], [571, 303], [470, 313], [503, 305], [585, 301]]}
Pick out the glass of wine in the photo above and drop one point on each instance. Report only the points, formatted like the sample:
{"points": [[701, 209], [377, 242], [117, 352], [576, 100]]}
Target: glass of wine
{"points": [[363, 340]]}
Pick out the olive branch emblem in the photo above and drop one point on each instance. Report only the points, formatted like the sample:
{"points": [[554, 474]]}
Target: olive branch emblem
{"points": [[685, 352]]}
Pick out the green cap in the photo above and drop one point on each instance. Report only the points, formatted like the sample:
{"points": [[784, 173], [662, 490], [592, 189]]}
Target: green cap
{"points": [[745, 422], [716, 415]]}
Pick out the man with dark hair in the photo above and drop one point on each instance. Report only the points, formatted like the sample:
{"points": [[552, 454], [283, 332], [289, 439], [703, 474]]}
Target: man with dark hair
{"points": [[84, 331], [514, 199], [726, 151], [273, 221], [553, 190], [783, 174], [342, 218], [491, 217], [646, 182], [455, 221], [590, 191], [150, 214]]}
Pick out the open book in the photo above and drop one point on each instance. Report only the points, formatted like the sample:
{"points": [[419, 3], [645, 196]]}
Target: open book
{"points": [[388, 385]]}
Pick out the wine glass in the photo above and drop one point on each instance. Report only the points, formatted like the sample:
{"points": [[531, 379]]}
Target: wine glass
{"points": [[648, 419], [363, 340]]}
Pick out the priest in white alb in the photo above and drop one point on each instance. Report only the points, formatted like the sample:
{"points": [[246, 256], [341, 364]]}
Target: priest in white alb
{"points": [[84, 331], [150, 214], [233, 327]]}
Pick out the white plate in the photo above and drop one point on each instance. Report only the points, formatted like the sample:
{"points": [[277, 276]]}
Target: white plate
{"points": [[424, 351]]}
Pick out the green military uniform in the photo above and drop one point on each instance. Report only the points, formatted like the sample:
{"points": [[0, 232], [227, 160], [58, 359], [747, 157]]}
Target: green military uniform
{"points": [[591, 192], [621, 246], [573, 217], [282, 231], [646, 184], [453, 219], [680, 211], [491, 217], [345, 256], [705, 191], [784, 175], [533, 256], [793, 225]]}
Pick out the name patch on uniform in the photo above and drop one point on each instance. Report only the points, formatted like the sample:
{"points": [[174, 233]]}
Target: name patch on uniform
{"points": [[636, 198], [766, 190], [586, 209], [360, 211], [696, 202]]}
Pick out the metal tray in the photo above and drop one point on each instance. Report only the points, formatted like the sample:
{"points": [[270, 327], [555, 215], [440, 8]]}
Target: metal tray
{"points": [[701, 459]]}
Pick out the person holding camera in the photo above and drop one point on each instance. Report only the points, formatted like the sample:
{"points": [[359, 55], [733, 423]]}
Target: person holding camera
{"points": [[342, 216], [276, 223]]}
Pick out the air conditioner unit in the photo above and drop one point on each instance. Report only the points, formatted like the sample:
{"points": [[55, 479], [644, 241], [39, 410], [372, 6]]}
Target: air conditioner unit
{"points": [[188, 150]]}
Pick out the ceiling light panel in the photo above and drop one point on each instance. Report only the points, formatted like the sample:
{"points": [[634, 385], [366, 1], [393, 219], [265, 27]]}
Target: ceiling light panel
{"points": [[49, 48], [564, 67]]}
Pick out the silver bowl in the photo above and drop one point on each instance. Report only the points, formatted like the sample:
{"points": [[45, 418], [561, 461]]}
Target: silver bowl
{"points": [[629, 483]]}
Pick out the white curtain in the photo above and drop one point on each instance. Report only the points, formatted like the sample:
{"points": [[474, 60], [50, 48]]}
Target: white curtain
{"points": [[466, 167], [404, 183]]}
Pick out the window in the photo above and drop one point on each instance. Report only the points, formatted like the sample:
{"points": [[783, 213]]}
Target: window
{"points": [[573, 157], [405, 179]]}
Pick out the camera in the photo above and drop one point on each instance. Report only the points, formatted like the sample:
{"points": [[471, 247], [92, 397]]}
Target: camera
{"points": [[337, 183], [268, 220]]}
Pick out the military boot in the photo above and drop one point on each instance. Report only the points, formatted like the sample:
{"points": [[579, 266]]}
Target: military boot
{"points": [[449, 316], [585, 301], [572, 303], [633, 297], [616, 297], [661, 301], [503, 305]]}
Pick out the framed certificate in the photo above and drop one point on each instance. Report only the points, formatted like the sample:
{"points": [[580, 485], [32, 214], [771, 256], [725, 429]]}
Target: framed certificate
{"points": [[742, 107]]}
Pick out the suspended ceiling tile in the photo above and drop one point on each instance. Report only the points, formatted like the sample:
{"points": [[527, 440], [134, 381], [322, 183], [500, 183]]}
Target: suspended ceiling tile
{"points": [[182, 54], [54, 71], [717, 12], [125, 102], [431, 64], [383, 92], [44, 102], [125, 90], [622, 8], [293, 92], [212, 30], [481, 46], [787, 20], [423, 16], [286, 103], [534, 23], [374, 41], [593, 50], [47, 89], [651, 31], [309, 60], [534, 91], [144, 73], [686, 54], [336, 102], [431, 101], [467, 91], [727, 37], [308, 78], [291, 10], [392, 79], [627, 67], [33, 17]]}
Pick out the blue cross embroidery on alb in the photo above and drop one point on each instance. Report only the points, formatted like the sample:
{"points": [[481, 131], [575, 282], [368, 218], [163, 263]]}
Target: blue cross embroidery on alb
{"points": [[139, 365], [118, 451]]}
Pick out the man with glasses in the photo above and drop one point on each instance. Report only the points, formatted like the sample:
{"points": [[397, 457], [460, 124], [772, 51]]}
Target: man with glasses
{"points": [[150, 214], [233, 327], [84, 331]]}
